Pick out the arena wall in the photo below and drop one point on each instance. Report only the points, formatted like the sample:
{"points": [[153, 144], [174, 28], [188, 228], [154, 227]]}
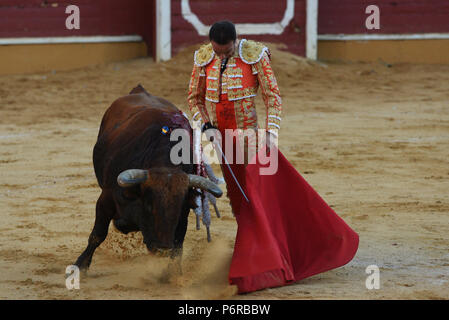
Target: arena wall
{"points": [[280, 21], [415, 31], [45, 21], [17, 59]]}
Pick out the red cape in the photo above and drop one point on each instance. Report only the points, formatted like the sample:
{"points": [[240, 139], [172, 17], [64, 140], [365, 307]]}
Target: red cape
{"points": [[286, 232]]}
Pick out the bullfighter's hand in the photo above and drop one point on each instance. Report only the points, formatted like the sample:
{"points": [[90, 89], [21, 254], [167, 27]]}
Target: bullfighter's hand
{"points": [[209, 130]]}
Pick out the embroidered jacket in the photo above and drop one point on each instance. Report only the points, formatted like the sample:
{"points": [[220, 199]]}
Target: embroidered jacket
{"points": [[248, 69]]}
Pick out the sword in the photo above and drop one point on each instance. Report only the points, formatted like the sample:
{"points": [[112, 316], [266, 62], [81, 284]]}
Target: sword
{"points": [[229, 167]]}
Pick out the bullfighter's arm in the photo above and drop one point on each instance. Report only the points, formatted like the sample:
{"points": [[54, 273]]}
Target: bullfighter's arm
{"points": [[270, 93], [197, 94]]}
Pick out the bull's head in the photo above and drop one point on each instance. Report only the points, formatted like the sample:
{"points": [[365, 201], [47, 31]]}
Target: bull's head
{"points": [[165, 196]]}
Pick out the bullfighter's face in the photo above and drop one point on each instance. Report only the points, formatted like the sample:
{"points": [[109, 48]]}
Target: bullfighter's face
{"points": [[224, 50]]}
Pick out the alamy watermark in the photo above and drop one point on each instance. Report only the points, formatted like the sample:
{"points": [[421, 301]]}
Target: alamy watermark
{"points": [[239, 147], [373, 280], [373, 20], [72, 280], [73, 277], [73, 20]]}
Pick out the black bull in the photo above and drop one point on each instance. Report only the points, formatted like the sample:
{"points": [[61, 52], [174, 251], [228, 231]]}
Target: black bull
{"points": [[142, 190]]}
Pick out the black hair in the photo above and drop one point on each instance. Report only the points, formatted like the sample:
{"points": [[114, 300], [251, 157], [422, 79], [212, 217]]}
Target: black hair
{"points": [[222, 32]]}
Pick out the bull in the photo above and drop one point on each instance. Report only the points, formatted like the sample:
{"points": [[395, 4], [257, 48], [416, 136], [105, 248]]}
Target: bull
{"points": [[141, 188]]}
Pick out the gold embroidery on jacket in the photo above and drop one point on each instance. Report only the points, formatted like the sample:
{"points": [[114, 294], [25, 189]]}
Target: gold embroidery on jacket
{"points": [[234, 83], [204, 55], [213, 79], [237, 94], [271, 94], [251, 51], [252, 62]]}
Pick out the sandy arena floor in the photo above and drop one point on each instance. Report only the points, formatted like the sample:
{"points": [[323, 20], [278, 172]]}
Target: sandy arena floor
{"points": [[372, 139]]}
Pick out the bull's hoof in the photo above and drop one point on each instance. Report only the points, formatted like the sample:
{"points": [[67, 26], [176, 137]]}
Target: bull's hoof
{"points": [[83, 264], [83, 269], [171, 273]]}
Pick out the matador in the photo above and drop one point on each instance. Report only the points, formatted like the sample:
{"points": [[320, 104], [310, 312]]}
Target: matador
{"points": [[286, 231], [222, 92]]}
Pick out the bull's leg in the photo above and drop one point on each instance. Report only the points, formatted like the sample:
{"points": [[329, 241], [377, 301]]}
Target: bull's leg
{"points": [[104, 212], [174, 266]]}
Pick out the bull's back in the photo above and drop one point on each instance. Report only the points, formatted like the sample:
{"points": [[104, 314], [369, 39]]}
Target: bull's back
{"points": [[129, 106], [130, 129]]}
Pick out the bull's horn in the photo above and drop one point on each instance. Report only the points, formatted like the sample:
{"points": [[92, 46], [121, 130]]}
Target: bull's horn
{"points": [[205, 184], [131, 177]]}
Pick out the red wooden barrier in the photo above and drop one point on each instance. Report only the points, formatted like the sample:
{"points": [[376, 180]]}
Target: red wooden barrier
{"points": [[42, 18], [396, 16], [249, 11]]}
